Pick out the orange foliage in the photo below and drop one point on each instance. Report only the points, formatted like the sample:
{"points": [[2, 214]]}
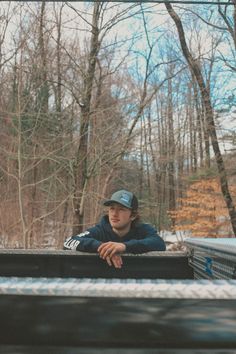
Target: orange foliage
{"points": [[203, 211]]}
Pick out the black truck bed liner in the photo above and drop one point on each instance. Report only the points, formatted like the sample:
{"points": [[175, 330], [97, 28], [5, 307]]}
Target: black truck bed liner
{"points": [[62, 302]]}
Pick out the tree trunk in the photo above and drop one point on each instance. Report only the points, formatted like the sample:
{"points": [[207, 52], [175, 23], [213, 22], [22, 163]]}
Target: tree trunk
{"points": [[171, 148], [82, 151], [199, 124]]}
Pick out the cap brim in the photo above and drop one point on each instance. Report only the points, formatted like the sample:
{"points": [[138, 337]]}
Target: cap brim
{"points": [[111, 201]]}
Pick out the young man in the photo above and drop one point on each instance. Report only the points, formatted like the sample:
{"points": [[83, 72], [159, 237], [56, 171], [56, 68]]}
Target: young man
{"points": [[118, 232]]}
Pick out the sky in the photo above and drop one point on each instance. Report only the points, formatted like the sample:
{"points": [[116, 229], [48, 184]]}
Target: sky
{"points": [[158, 23]]}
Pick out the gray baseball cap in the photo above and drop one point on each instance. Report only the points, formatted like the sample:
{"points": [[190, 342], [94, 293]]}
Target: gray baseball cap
{"points": [[125, 198]]}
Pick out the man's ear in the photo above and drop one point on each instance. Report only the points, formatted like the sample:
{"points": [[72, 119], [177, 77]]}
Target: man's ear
{"points": [[133, 217]]}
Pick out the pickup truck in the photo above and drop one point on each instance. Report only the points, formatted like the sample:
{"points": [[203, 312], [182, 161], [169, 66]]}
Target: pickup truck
{"points": [[65, 302]]}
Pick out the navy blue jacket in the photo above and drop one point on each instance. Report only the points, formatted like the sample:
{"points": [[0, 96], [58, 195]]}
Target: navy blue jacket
{"points": [[140, 239]]}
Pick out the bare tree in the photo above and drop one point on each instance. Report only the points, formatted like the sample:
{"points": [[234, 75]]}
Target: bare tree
{"points": [[193, 64]]}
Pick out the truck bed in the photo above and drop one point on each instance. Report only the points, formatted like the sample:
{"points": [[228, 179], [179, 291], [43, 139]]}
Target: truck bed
{"points": [[67, 302]]}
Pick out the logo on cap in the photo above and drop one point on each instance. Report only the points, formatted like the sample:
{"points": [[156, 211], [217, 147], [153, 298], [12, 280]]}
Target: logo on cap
{"points": [[125, 198]]}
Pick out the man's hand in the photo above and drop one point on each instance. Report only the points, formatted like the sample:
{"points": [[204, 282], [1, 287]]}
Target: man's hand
{"points": [[109, 249], [115, 260]]}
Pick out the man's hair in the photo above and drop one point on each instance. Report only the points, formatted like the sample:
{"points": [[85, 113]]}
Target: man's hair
{"points": [[137, 218]]}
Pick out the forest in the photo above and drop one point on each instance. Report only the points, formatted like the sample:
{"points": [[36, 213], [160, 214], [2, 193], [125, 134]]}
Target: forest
{"points": [[101, 96]]}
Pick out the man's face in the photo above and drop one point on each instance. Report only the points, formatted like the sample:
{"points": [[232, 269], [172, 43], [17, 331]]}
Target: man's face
{"points": [[119, 217]]}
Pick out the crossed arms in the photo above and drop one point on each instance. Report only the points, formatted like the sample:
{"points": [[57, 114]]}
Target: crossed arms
{"points": [[96, 240]]}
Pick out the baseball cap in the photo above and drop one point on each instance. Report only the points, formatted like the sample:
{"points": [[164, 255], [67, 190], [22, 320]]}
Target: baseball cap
{"points": [[125, 198]]}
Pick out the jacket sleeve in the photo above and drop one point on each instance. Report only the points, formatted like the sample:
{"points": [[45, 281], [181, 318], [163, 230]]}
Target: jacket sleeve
{"points": [[87, 241], [147, 241]]}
